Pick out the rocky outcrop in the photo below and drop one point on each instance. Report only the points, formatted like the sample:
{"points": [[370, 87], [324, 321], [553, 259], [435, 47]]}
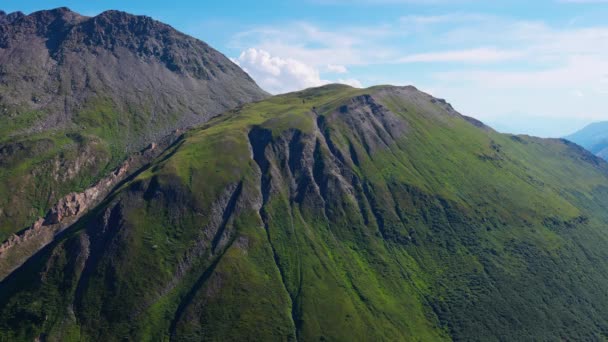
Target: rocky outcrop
{"points": [[19, 247], [74, 204], [375, 125]]}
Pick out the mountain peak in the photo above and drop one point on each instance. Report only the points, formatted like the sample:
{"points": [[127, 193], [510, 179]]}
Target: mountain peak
{"points": [[120, 17], [58, 10], [118, 14], [10, 17], [132, 61], [63, 13], [116, 28], [43, 23]]}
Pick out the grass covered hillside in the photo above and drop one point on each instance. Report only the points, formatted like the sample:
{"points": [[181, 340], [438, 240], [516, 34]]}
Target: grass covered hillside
{"points": [[333, 214], [79, 94]]}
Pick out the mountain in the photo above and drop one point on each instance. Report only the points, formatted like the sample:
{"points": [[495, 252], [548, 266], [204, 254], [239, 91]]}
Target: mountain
{"points": [[593, 137], [332, 213], [79, 95], [535, 125]]}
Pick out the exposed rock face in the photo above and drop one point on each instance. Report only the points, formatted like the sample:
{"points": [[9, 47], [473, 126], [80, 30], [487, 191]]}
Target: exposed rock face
{"points": [[9, 18], [74, 204], [59, 62], [375, 125], [19, 247]]}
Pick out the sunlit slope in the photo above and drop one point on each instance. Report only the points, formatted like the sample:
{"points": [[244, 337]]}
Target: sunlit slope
{"points": [[335, 214], [79, 94]]}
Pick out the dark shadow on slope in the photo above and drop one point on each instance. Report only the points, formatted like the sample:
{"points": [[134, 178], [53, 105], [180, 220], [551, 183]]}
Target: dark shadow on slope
{"points": [[259, 139]]}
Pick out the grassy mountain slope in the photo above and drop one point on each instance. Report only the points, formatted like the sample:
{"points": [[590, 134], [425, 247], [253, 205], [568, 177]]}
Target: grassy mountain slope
{"points": [[79, 94], [333, 214], [593, 137]]}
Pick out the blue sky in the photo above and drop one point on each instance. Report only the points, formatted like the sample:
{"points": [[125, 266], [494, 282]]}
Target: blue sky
{"points": [[538, 67]]}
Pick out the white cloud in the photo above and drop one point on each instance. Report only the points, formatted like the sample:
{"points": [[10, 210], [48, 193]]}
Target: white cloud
{"points": [[477, 55], [571, 91], [425, 20], [580, 70], [278, 75], [321, 47], [281, 75], [336, 68], [351, 82], [577, 93]]}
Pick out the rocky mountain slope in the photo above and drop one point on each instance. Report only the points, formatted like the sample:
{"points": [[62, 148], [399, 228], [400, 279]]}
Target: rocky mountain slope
{"points": [[593, 137], [79, 94], [333, 214]]}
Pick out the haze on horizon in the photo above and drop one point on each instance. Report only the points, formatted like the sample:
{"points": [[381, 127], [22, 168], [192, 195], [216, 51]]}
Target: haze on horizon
{"points": [[539, 69]]}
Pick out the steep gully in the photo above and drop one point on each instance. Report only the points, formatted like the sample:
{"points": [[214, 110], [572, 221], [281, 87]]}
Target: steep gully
{"points": [[19, 247], [259, 140], [316, 171], [310, 164]]}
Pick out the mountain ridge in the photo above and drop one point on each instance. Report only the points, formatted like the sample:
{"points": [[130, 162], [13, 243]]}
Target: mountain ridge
{"points": [[79, 94], [333, 213], [97, 42], [593, 137]]}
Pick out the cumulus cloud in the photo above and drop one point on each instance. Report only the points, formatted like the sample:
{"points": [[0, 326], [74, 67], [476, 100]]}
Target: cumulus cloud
{"points": [[278, 75], [281, 75], [337, 68]]}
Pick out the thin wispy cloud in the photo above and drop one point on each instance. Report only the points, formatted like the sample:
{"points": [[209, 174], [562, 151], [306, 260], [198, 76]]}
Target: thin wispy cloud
{"points": [[517, 63], [336, 68], [477, 55], [319, 46], [446, 18]]}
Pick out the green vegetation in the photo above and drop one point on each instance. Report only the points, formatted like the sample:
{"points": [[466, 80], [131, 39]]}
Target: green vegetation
{"points": [[39, 169], [50, 164], [332, 214]]}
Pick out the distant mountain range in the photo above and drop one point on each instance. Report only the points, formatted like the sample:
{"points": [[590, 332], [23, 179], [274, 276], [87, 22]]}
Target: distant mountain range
{"points": [[534, 125], [593, 137]]}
